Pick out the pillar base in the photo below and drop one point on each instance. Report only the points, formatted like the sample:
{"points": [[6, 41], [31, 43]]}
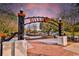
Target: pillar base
{"points": [[62, 40]]}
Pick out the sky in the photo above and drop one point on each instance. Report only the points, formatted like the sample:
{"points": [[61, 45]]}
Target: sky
{"points": [[37, 9], [50, 10]]}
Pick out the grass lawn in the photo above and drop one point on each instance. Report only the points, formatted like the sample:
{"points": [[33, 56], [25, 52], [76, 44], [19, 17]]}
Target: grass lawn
{"points": [[70, 33]]}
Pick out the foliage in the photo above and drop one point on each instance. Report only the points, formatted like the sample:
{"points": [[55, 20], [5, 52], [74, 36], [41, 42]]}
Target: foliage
{"points": [[8, 22], [71, 17], [49, 26]]}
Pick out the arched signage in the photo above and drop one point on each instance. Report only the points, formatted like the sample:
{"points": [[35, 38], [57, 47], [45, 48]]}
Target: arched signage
{"points": [[37, 19]]}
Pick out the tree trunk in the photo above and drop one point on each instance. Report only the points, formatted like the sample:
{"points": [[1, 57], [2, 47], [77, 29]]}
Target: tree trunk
{"points": [[49, 32]]}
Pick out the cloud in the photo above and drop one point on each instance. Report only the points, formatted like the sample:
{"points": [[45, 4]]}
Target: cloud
{"points": [[50, 10], [36, 9]]}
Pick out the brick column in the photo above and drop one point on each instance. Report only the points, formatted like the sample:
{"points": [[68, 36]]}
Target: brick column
{"points": [[21, 16]]}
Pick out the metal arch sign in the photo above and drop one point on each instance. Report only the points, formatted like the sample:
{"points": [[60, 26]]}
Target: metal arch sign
{"points": [[36, 19]]}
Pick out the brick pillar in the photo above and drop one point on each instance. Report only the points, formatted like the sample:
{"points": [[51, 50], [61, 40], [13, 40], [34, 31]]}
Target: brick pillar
{"points": [[21, 16], [60, 28]]}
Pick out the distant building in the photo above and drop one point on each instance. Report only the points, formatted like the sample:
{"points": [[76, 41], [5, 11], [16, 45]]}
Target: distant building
{"points": [[33, 26]]}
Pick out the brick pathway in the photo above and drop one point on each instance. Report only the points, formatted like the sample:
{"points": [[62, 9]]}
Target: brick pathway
{"points": [[40, 49]]}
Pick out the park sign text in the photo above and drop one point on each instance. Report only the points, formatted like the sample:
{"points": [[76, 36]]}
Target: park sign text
{"points": [[41, 19], [37, 19]]}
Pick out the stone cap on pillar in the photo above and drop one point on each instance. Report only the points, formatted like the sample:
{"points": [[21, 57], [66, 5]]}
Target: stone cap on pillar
{"points": [[21, 13]]}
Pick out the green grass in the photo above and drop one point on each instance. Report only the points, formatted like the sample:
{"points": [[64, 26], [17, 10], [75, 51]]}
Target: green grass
{"points": [[70, 33]]}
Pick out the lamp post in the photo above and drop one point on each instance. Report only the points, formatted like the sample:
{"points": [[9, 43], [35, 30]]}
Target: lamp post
{"points": [[60, 27]]}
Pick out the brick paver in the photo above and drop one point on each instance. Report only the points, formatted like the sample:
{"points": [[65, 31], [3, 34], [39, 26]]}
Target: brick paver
{"points": [[40, 49]]}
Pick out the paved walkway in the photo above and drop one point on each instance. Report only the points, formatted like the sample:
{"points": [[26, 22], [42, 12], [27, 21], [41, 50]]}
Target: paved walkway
{"points": [[47, 41], [74, 47], [41, 49]]}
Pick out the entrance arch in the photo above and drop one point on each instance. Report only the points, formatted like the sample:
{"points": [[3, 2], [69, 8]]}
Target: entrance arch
{"points": [[40, 19], [21, 18]]}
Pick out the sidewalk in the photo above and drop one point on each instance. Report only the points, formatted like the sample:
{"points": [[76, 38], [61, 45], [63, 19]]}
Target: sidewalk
{"points": [[74, 47], [41, 49]]}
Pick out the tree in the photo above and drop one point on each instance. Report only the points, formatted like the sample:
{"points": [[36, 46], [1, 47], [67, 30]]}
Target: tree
{"points": [[71, 16], [49, 26], [8, 22]]}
